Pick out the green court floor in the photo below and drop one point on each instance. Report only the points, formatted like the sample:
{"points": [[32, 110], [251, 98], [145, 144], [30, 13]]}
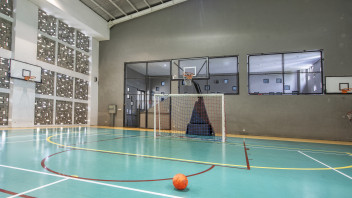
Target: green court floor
{"points": [[99, 162]]}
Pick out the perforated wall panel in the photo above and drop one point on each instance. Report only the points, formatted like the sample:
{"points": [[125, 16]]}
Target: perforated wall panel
{"points": [[4, 108], [4, 71], [63, 112], [44, 111], [65, 57], [46, 23], [46, 49], [6, 7], [64, 86], [47, 85], [81, 113], [82, 63], [81, 89], [82, 41], [66, 33], [5, 34]]}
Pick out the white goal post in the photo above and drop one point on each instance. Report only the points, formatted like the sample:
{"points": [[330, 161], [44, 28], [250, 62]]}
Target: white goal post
{"points": [[200, 116]]}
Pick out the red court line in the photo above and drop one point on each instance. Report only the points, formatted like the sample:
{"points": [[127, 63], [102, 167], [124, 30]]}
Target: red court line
{"points": [[43, 161], [107, 180], [13, 193], [245, 151]]}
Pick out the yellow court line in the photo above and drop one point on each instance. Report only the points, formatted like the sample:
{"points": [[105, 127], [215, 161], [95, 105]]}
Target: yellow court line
{"points": [[291, 139], [252, 137], [265, 146], [186, 160], [227, 135]]}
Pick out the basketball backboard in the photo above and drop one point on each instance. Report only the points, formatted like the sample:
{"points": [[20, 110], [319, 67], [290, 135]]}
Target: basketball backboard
{"points": [[20, 70], [198, 66], [335, 84]]}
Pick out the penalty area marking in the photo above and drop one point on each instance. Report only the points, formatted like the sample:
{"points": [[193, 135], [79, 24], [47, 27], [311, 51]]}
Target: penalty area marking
{"points": [[93, 182], [349, 177], [186, 160]]}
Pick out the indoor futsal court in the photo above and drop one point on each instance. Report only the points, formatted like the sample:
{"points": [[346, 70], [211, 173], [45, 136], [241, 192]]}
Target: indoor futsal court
{"points": [[175, 98]]}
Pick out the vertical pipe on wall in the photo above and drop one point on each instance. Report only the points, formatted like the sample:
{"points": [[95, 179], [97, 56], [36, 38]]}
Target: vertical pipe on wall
{"points": [[154, 116], [223, 118]]}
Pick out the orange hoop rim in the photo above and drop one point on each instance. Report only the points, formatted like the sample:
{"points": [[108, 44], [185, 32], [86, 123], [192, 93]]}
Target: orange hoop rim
{"points": [[346, 90], [188, 75], [29, 77]]}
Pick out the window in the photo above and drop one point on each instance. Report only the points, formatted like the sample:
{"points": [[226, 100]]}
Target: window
{"points": [[285, 73], [223, 73], [223, 76], [142, 81]]}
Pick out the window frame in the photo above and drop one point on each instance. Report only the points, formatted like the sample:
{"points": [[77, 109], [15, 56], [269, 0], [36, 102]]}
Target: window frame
{"points": [[211, 75], [236, 74], [283, 73]]}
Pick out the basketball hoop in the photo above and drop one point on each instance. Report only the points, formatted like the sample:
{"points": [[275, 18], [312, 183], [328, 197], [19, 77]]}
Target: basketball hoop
{"points": [[27, 78], [187, 77], [346, 90]]}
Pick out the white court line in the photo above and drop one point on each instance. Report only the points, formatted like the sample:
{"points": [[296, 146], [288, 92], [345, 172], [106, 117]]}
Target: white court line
{"points": [[63, 132], [296, 150], [28, 191], [349, 177], [93, 182], [58, 138], [97, 134]]}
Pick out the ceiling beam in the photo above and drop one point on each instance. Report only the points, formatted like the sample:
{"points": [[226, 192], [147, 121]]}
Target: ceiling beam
{"points": [[132, 5], [102, 9], [144, 12], [118, 7], [146, 2]]}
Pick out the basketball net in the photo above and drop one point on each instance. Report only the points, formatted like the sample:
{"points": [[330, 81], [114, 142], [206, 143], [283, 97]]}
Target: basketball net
{"points": [[27, 78], [344, 91], [187, 78]]}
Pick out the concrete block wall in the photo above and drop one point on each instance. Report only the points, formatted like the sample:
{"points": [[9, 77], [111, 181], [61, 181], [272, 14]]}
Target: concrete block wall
{"points": [[227, 27]]}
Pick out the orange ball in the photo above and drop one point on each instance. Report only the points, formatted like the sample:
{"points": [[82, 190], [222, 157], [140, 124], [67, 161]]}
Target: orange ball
{"points": [[180, 181]]}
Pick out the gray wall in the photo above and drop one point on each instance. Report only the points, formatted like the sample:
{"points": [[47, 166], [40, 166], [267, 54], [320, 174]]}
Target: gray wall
{"points": [[226, 27]]}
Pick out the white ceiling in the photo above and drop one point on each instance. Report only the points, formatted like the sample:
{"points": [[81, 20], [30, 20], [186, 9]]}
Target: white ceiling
{"points": [[118, 11]]}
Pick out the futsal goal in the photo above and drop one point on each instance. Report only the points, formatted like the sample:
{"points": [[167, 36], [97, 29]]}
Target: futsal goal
{"points": [[199, 116]]}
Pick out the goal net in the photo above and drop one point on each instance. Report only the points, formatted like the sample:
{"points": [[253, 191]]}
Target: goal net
{"points": [[200, 116]]}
